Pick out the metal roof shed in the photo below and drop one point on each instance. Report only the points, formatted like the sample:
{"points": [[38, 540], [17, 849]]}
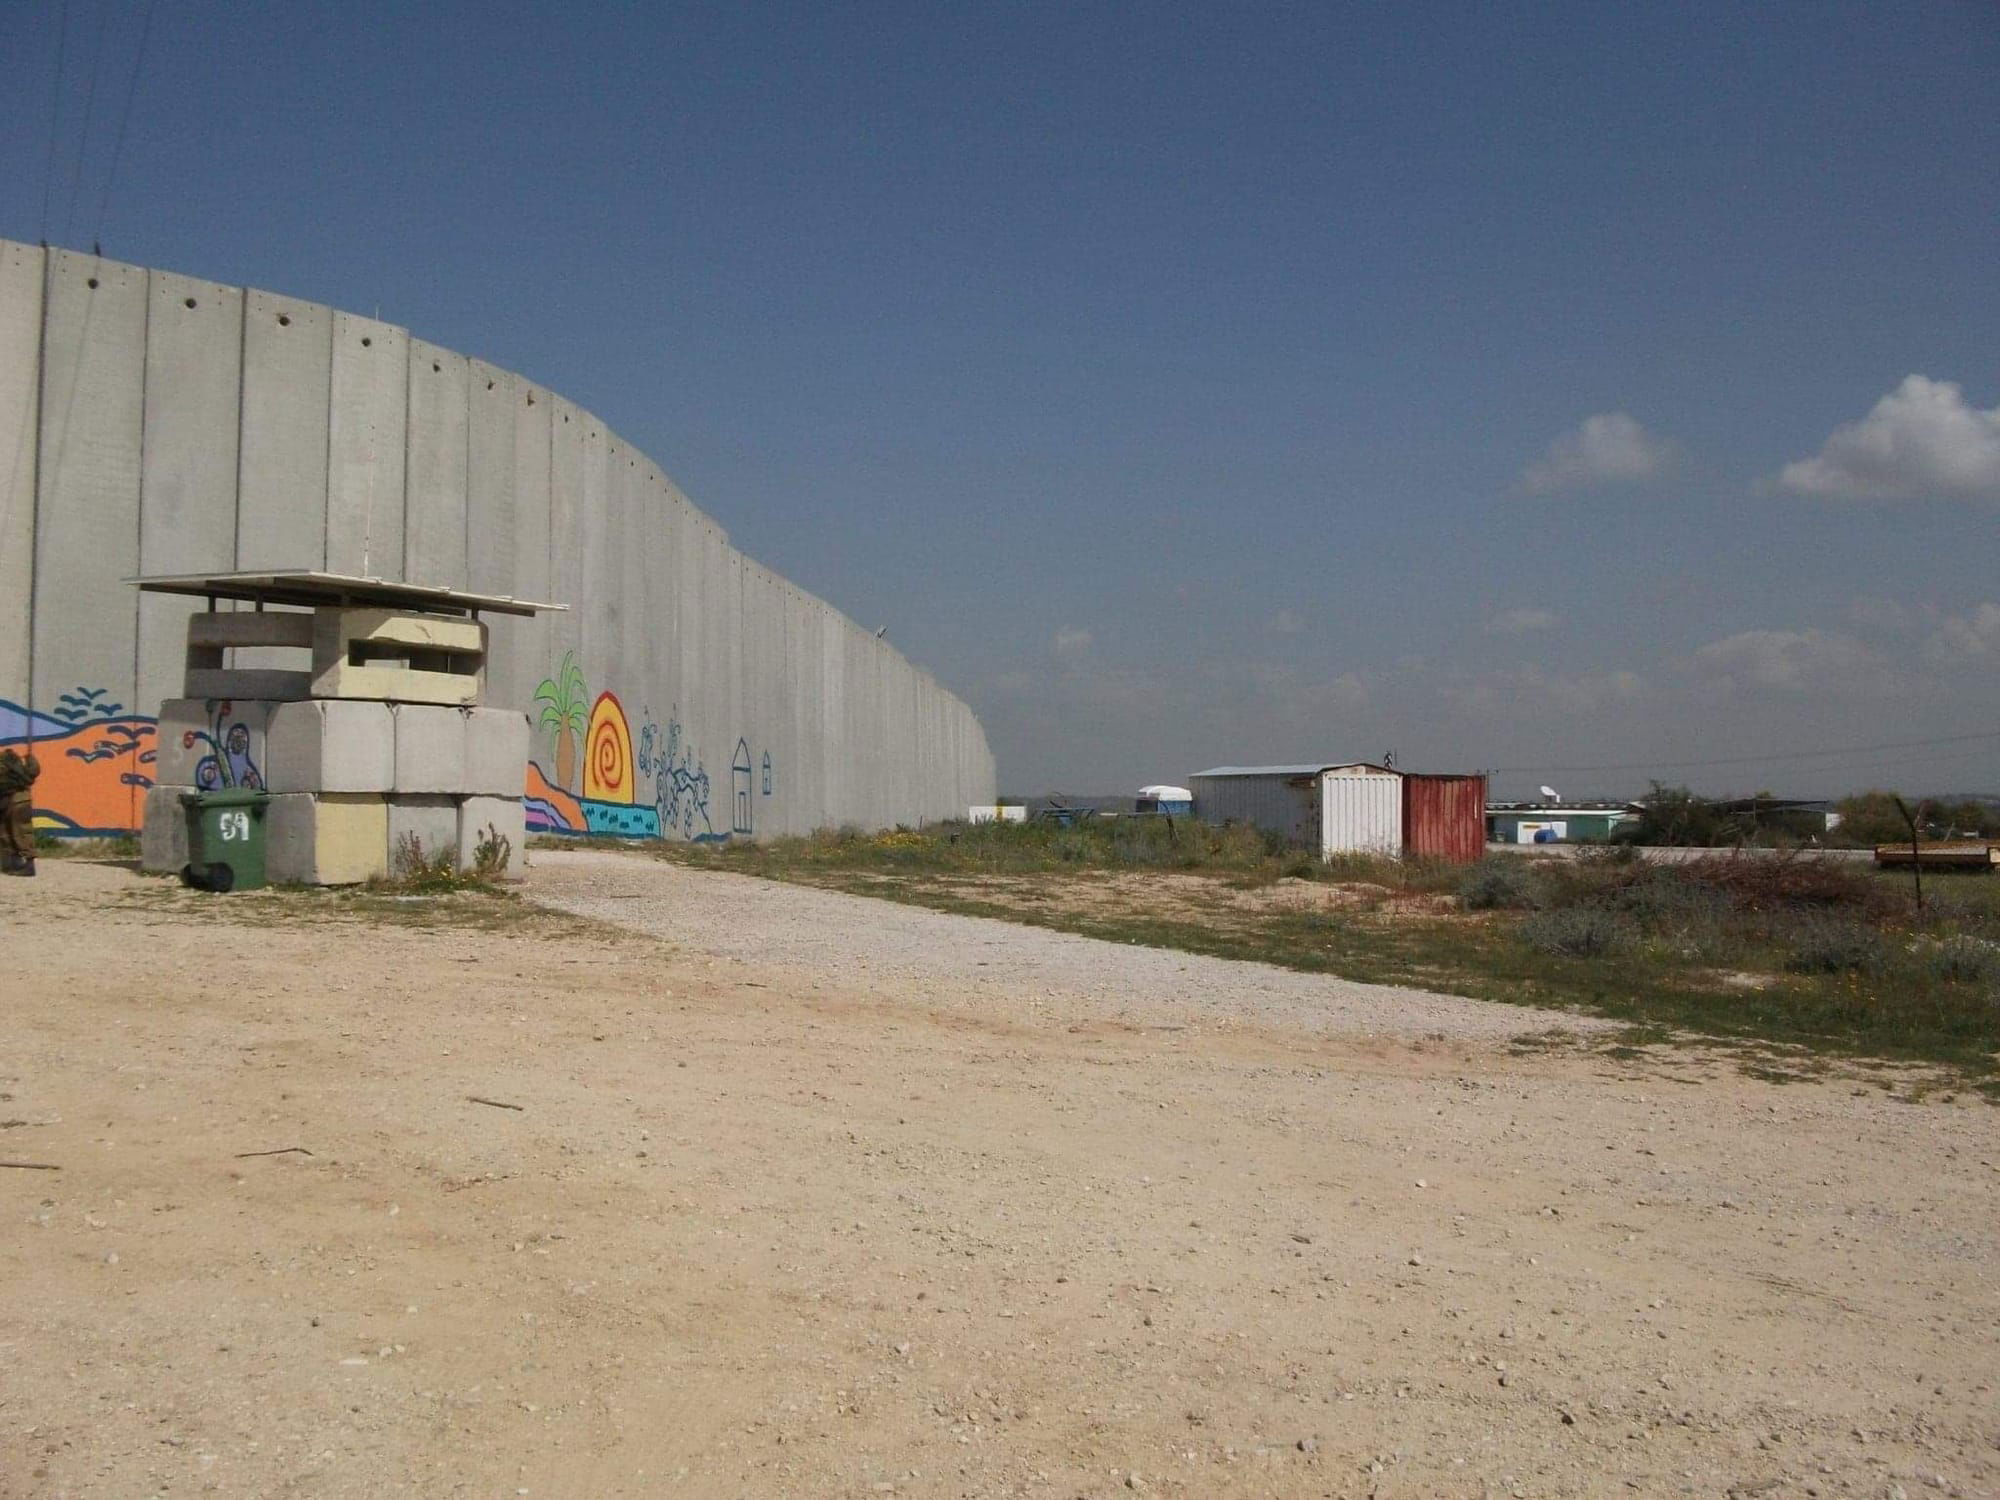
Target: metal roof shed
{"points": [[1353, 807]]}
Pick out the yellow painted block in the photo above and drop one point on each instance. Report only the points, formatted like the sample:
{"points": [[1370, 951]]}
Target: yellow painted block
{"points": [[352, 841]]}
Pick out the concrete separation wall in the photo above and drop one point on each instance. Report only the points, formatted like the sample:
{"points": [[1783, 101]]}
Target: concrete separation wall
{"points": [[150, 422]]}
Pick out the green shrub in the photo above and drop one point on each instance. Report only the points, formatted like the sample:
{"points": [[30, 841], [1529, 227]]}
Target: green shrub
{"points": [[1500, 882], [1962, 960], [1831, 946], [1577, 932]]}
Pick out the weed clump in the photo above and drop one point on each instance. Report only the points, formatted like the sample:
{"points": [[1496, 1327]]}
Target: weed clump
{"points": [[1832, 946], [1961, 960], [417, 872], [1500, 883], [1577, 932]]}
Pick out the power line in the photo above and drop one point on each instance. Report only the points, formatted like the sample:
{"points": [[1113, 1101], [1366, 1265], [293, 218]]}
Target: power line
{"points": [[89, 109], [1752, 760], [124, 119], [55, 119]]}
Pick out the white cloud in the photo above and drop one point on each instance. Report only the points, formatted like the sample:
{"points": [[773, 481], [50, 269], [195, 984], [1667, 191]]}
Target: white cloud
{"points": [[1921, 441], [1521, 621], [1974, 638], [1534, 690], [1787, 660], [1288, 622], [1070, 640], [1608, 449]]}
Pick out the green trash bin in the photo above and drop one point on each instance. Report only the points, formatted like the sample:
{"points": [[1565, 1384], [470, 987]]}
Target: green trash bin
{"points": [[225, 839]]}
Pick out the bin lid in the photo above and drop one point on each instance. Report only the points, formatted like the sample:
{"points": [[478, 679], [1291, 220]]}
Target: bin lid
{"points": [[227, 796]]}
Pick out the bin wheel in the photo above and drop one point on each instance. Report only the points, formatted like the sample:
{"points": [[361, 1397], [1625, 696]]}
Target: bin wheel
{"points": [[221, 877], [188, 876]]}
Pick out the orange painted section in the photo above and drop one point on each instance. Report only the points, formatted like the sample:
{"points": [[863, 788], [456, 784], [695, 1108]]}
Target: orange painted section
{"points": [[566, 809], [94, 778]]}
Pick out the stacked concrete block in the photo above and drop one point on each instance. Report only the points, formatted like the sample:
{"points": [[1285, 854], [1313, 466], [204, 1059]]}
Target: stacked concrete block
{"points": [[483, 820], [431, 821], [430, 750], [326, 838], [496, 752], [163, 840], [331, 745], [230, 733]]}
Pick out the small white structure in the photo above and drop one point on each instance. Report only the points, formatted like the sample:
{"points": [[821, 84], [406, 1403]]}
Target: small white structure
{"points": [[1355, 808], [1164, 799]]}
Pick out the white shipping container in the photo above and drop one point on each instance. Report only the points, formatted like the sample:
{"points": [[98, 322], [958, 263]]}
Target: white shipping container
{"points": [[1361, 811]]}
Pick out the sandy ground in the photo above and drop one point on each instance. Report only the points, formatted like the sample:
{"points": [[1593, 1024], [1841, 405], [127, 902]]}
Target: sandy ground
{"points": [[809, 1195]]}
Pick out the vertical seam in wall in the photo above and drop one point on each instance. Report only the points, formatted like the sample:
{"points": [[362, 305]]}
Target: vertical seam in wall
{"points": [[242, 382], [326, 480], [409, 353], [465, 515], [139, 513], [35, 480]]}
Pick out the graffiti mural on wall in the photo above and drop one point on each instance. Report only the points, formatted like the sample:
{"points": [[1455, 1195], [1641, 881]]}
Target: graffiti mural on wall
{"points": [[228, 762], [97, 761], [680, 784], [654, 786]]}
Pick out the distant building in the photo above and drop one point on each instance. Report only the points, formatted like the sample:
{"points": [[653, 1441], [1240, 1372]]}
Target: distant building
{"points": [[1173, 801], [1554, 823]]}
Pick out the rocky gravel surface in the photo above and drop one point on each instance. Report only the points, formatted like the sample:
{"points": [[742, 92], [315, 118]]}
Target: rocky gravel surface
{"points": [[996, 967], [483, 1200]]}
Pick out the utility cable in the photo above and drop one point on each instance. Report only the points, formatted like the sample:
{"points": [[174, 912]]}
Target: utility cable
{"points": [[55, 118], [124, 120], [89, 109], [1751, 760]]}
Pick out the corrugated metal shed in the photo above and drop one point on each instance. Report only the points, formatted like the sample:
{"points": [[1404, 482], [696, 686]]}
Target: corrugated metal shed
{"points": [[1444, 816], [1349, 807]]}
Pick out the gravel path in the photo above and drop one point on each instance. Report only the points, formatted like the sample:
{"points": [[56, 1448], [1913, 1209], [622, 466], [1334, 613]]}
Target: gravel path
{"points": [[884, 947]]}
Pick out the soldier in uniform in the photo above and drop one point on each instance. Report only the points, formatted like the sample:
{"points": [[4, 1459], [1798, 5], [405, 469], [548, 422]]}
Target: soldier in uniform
{"points": [[18, 773]]}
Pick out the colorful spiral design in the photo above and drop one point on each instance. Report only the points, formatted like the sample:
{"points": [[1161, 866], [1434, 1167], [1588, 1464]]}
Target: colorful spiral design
{"points": [[607, 753]]}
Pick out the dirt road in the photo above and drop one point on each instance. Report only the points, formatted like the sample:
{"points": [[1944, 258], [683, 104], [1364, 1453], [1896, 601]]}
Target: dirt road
{"points": [[819, 1196]]}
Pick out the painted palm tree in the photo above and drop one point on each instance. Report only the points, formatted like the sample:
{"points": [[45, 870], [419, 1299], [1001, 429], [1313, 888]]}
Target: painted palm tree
{"points": [[566, 710]]}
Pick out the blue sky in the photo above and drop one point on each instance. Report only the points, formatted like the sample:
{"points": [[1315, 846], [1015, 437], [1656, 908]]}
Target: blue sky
{"points": [[1510, 386]]}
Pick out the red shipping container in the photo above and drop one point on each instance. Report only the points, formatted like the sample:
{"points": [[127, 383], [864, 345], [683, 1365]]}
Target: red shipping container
{"points": [[1444, 816]]}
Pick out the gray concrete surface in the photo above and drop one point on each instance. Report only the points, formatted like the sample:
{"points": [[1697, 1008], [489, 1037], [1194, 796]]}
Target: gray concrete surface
{"points": [[258, 430]]}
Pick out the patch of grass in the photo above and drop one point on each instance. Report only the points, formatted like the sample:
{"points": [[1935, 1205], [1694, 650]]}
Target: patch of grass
{"points": [[1577, 932], [119, 846], [415, 872], [1500, 882]]}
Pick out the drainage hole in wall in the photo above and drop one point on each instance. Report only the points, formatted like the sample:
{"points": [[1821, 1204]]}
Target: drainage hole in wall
{"points": [[92, 283], [284, 320], [365, 343], [188, 303], [436, 368], [489, 385]]}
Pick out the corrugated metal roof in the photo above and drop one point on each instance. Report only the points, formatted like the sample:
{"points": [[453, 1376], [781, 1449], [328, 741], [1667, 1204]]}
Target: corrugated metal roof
{"points": [[1312, 770]]}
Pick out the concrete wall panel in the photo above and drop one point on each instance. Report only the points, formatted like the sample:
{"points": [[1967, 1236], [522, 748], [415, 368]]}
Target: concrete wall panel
{"points": [[87, 527], [435, 504], [368, 417], [493, 400], [287, 379], [21, 273], [251, 430], [188, 461], [521, 647]]}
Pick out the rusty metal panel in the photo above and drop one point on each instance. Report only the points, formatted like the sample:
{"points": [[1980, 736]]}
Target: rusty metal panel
{"points": [[1444, 816]]}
